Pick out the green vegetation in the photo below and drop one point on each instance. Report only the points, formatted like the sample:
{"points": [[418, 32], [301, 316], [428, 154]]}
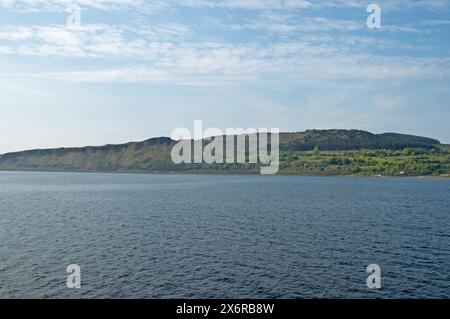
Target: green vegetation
{"points": [[406, 162]]}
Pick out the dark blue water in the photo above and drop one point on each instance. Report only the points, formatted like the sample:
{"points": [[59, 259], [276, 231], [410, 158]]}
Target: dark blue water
{"points": [[174, 236]]}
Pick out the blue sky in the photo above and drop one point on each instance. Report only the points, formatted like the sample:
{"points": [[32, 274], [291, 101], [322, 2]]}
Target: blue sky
{"points": [[138, 69]]}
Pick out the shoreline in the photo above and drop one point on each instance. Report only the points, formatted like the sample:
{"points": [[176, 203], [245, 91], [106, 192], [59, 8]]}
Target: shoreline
{"points": [[203, 173]]}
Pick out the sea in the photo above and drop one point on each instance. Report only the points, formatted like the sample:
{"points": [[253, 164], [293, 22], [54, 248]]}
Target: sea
{"points": [[222, 236]]}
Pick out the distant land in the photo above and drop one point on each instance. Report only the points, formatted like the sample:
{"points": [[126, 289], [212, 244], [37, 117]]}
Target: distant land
{"points": [[313, 152]]}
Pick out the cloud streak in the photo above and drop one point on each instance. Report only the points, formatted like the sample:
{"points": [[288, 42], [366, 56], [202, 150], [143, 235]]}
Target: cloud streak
{"points": [[136, 58], [57, 5]]}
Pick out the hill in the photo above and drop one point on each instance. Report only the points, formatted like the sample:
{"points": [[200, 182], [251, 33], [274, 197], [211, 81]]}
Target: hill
{"points": [[327, 152]]}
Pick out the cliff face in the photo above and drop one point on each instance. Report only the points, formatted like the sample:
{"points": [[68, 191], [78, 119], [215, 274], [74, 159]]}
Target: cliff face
{"points": [[149, 154], [154, 154]]}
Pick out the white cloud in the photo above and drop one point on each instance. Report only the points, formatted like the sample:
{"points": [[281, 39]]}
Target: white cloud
{"points": [[216, 63], [316, 24], [58, 5], [94, 40], [248, 4], [171, 53], [431, 5]]}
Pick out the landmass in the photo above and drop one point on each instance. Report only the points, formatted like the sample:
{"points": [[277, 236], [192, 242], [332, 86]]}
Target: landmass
{"points": [[313, 152]]}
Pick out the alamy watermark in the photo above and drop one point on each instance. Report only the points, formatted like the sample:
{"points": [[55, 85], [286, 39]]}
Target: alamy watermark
{"points": [[74, 278], [374, 279], [374, 19], [74, 19], [191, 148]]}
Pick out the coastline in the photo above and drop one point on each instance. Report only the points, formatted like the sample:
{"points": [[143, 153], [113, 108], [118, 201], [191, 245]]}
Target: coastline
{"points": [[206, 173]]}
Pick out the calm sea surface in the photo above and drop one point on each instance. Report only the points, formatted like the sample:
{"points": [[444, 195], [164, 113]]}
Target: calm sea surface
{"points": [[183, 236]]}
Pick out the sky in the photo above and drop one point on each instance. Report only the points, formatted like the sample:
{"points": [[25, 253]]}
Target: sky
{"points": [[132, 70]]}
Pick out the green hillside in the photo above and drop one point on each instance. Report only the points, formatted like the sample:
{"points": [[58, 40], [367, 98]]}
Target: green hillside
{"points": [[313, 152]]}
